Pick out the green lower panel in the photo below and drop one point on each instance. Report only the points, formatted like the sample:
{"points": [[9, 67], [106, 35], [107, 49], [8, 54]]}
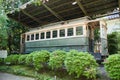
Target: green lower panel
{"points": [[78, 43]]}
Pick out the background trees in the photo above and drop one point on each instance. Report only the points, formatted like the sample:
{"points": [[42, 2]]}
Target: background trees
{"points": [[10, 30], [113, 43]]}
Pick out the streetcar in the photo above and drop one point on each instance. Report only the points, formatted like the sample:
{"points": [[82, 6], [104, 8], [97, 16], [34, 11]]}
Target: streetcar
{"points": [[80, 34]]}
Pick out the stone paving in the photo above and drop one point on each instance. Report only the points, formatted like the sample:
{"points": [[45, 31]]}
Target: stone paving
{"points": [[102, 73], [7, 76]]}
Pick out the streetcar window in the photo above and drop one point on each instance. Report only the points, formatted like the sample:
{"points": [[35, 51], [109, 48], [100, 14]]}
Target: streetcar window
{"points": [[48, 34], [62, 32], [42, 35], [54, 34], [32, 36], [37, 36], [70, 32], [79, 30], [28, 37]]}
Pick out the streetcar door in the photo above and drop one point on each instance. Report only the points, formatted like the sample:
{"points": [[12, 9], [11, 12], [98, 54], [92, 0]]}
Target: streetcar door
{"points": [[103, 36]]}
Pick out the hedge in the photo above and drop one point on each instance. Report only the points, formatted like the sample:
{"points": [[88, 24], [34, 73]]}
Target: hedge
{"points": [[57, 59], [112, 66], [81, 63]]}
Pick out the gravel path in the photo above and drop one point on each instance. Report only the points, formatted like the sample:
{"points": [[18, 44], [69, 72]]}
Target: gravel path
{"points": [[102, 73], [7, 76]]}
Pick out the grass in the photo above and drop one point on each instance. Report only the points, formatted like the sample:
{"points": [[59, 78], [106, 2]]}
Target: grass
{"points": [[43, 74]]}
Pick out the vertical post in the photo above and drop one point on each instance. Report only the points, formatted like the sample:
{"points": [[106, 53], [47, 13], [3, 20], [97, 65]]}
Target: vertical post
{"points": [[58, 33], [74, 31], [21, 43], [51, 34], [103, 36]]}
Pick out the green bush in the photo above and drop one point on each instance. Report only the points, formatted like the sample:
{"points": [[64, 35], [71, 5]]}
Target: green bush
{"points": [[29, 59], [21, 59], [57, 59], [12, 59], [81, 63], [112, 66], [40, 58]]}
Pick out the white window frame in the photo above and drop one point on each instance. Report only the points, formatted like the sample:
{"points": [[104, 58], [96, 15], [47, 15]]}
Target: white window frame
{"points": [[58, 33]]}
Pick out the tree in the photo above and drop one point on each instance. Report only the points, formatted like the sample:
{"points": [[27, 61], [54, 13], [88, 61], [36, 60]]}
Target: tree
{"points": [[3, 29], [14, 32], [112, 43], [10, 30]]}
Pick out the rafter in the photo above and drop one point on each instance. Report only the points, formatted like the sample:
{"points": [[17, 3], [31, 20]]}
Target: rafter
{"points": [[35, 19], [92, 2], [53, 12], [95, 9], [82, 8], [39, 12], [101, 11]]}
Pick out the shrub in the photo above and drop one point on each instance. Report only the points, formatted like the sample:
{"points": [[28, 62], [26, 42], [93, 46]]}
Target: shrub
{"points": [[29, 59], [57, 59], [21, 59], [112, 66], [81, 63], [40, 58], [12, 59]]}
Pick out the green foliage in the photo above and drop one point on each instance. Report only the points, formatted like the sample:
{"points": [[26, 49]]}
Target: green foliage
{"points": [[14, 33], [81, 63], [3, 31], [10, 30], [96, 34], [1, 60], [57, 59], [21, 59], [112, 66], [4, 68], [40, 58], [29, 59], [12, 59], [44, 77], [118, 38], [112, 43]]}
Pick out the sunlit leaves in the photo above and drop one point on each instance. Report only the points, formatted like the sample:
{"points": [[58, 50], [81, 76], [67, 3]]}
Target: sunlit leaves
{"points": [[3, 31], [81, 63], [112, 66]]}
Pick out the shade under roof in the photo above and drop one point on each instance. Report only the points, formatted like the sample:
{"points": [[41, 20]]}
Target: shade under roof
{"points": [[62, 10]]}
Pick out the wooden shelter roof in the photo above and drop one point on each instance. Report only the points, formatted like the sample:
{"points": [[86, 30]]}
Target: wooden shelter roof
{"points": [[62, 10]]}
